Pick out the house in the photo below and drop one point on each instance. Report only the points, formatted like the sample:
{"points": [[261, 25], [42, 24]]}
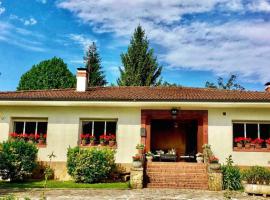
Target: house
{"points": [[162, 118]]}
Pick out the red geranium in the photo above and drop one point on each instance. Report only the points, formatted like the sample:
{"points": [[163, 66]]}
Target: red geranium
{"points": [[112, 137], [258, 141], [84, 136], [104, 138], [213, 159], [91, 137], [14, 135], [239, 139], [37, 136], [31, 136]]}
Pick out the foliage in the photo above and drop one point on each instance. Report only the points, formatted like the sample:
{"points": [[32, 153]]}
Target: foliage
{"points": [[256, 175], [165, 83], [229, 85], [207, 152], [12, 197], [90, 165], [140, 67], [93, 64], [62, 184], [17, 160], [48, 74], [140, 146], [231, 175]]}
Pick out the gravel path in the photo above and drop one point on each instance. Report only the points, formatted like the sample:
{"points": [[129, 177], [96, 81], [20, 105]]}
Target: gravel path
{"points": [[149, 194]]}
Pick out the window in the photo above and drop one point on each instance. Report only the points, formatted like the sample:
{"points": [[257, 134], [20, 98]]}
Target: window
{"points": [[30, 130], [98, 128], [251, 130]]}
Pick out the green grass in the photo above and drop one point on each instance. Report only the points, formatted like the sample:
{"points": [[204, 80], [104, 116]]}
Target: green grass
{"points": [[64, 184]]}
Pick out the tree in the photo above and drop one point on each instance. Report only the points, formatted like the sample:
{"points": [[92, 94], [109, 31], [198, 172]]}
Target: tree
{"points": [[167, 84], [48, 74], [229, 85], [140, 67], [93, 64]]}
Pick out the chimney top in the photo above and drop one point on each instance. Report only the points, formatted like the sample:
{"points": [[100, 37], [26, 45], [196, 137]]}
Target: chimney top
{"points": [[267, 87], [82, 79]]}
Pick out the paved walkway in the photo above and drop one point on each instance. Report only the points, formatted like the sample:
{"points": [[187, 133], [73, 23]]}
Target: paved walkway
{"points": [[148, 194]]}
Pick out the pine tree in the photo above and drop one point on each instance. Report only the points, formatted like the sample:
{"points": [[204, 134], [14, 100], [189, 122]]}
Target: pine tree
{"points": [[140, 67], [93, 64]]}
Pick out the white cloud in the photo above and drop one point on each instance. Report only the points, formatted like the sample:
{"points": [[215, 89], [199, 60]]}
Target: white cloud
{"points": [[27, 22], [2, 9], [19, 37], [82, 40], [235, 46]]}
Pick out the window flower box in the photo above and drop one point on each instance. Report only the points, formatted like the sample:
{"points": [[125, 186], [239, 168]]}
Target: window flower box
{"points": [[258, 143]]}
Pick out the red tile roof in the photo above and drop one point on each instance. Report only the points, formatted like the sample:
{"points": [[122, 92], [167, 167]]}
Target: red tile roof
{"points": [[139, 94]]}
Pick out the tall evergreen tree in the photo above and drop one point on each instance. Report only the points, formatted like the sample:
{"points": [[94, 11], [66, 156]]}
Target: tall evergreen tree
{"points": [[93, 64], [140, 67]]}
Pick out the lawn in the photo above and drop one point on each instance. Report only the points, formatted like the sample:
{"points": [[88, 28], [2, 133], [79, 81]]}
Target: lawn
{"points": [[64, 184]]}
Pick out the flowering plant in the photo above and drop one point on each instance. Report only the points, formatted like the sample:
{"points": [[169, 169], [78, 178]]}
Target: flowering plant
{"points": [[92, 138], [242, 140], [84, 136], [258, 141], [13, 135], [112, 138], [140, 146], [31, 136], [136, 157], [103, 138], [213, 159], [267, 141]]}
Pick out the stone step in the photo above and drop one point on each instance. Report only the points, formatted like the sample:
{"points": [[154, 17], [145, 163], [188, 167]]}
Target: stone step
{"points": [[201, 186]]}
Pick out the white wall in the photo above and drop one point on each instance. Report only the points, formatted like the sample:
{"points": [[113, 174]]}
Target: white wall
{"points": [[220, 135], [63, 127]]}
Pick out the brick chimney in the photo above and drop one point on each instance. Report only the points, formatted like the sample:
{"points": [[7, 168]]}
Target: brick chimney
{"points": [[82, 79], [267, 87]]}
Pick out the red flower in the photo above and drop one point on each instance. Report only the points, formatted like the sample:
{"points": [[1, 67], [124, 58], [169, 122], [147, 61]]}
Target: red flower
{"points": [[112, 137], [31, 136], [91, 137], [14, 135], [37, 136], [84, 136], [258, 141]]}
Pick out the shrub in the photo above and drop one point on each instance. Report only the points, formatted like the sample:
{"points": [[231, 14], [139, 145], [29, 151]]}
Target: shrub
{"points": [[231, 175], [256, 175], [17, 160], [90, 165]]}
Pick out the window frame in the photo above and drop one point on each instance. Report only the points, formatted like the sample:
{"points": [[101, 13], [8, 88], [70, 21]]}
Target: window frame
{"points": [[245, 122], [93, 120], [28, 119]]}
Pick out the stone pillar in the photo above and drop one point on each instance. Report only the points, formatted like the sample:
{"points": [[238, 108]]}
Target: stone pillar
{"points": [[215, 180], [136, 178]]}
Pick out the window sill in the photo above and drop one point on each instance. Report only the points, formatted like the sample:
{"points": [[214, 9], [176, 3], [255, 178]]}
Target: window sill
{"points": [[237, 149], [101, 146]]}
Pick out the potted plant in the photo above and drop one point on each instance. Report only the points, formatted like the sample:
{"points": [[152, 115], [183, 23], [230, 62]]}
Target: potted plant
{"points": [[267, 143], [256, 180], [258, 143], [83, 139], [137, 163], [112, 140], [102, 140], [199, 157], [213, 163], [247, 142], [31, 138], [149, 156], [92, 140], [140, 148], [13, 136], [42, 139], [239, 142]]}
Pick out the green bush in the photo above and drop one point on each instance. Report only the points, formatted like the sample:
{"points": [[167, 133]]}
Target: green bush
{"points": [[231, 175], [17, 160], [90, 165], [256, 175]]}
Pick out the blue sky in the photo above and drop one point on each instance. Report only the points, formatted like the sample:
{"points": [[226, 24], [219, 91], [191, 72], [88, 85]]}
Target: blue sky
{"points": [[195, 41]]}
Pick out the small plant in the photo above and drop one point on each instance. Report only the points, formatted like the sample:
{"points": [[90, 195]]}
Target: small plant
{"points": [[92, 138], [84, 138], [213, 159], [112, 138], [149, 153], [140, 146], [231, 175], [258, 141], [207, 152], [103, 139], [136, 158], [42, 138], [256, 175]]}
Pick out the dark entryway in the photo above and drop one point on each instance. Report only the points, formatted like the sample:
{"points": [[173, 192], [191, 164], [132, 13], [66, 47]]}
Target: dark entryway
{"points": [[180, 135]]}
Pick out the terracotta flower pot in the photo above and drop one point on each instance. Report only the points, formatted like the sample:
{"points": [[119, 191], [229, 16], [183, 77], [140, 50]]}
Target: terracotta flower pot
{"points": [[83, 142], [247, 145], [258, 146], [111, 143], [102, 143], [239, 145], [41, 142], [92, 142], [268, 146]]}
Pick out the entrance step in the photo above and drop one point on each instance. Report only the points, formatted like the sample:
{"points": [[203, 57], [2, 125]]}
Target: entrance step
{"points": [[177, 175]]}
